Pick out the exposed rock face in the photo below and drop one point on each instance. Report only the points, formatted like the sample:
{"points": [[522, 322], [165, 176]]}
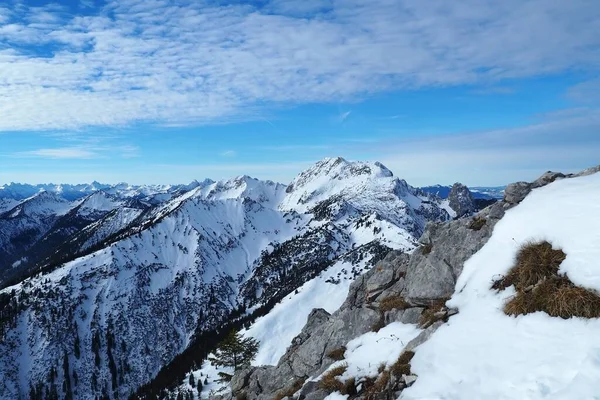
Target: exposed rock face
{"points": [[516, 192], [461, 200], [427, 275]]}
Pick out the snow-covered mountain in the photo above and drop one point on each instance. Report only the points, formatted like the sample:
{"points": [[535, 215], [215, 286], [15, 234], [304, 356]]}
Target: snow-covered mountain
{"points": [[131, 278]]}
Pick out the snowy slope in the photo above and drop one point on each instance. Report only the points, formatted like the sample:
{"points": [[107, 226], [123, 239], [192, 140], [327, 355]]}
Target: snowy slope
{"points": [[99, 202], [165, 276], [484, 354], [7, 204]]}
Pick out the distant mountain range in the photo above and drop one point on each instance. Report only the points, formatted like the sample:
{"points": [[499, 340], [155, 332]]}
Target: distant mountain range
{"points": [[479, 192]]}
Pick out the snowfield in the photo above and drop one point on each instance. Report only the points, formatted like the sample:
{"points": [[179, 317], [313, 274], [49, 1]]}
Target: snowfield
{"points": [[481, 353]]}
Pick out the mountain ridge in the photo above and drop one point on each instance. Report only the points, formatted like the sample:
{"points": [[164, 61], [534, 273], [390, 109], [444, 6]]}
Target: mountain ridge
{"points": [[205, 253]]}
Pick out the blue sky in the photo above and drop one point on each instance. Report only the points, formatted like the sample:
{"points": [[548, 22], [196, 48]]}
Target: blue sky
{"points": [[479, 91]]}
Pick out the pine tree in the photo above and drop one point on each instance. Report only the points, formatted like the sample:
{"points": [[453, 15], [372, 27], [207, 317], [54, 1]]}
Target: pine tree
{"points": [[192, 380], [199, 386], [235, 351]]}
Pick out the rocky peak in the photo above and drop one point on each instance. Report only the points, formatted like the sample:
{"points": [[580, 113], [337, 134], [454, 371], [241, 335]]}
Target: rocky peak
{"points": [[461, 200]]}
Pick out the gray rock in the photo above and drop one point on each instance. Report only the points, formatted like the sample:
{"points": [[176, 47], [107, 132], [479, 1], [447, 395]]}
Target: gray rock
{"points": [[379, 281], [423, 336], [409, 379], [433, 276], [495, 211], [516, 192], [547, 178], [461, 200], [308, 388], [318, 395], [588, 171], [358, 294], [408, 316], [240, 379]]}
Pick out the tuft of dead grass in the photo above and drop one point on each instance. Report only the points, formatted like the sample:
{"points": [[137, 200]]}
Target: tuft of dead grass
{"points": [[393, 302], [540, 287], [535, 262], [337, 354], [289, 392], [330, 383], [402, 364], [428, 317], [477, 223], [349, 387], [379, 386]]}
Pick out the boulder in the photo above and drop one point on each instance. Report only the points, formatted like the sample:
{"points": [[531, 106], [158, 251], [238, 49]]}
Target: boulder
{"points": [[423, 336], [516, 192], [547, 178], [432, 275]]}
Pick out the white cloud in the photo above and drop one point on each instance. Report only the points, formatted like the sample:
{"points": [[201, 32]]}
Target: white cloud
{"points": [[59, 153], [344, 116], [78, 145], [587, 92], [566, 142], [175, 63], [229, 153]]}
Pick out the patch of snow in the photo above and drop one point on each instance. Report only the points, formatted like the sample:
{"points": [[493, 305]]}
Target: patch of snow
{"points": [[481, 353], [336, 396]]}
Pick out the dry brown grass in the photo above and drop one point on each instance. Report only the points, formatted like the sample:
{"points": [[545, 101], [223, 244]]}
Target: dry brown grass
{"points": [[393, 302], [428, 316], [540, 287], [558, 297], [426, 248], [349, 387], [402, 364], [535, 262], [330, 383], [378, 386], [477, 223], [289, 392], [337, 354]]}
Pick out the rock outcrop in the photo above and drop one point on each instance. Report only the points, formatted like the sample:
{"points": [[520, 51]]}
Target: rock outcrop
{"points": [[461, 200], [423, 280]]}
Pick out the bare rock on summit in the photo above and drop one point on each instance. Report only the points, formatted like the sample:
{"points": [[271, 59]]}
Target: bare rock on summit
{"points": [[516, 192]]}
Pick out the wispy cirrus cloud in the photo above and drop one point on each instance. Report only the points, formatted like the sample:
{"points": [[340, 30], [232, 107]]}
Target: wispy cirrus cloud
{"points": [[229, 153], [185, 63], [79, 146], [59, 153]]}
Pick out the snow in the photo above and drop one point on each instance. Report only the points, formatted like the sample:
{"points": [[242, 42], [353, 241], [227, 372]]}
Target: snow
{"points": [[98, 202], [336, 396], [483, 354], [366, 353]]}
